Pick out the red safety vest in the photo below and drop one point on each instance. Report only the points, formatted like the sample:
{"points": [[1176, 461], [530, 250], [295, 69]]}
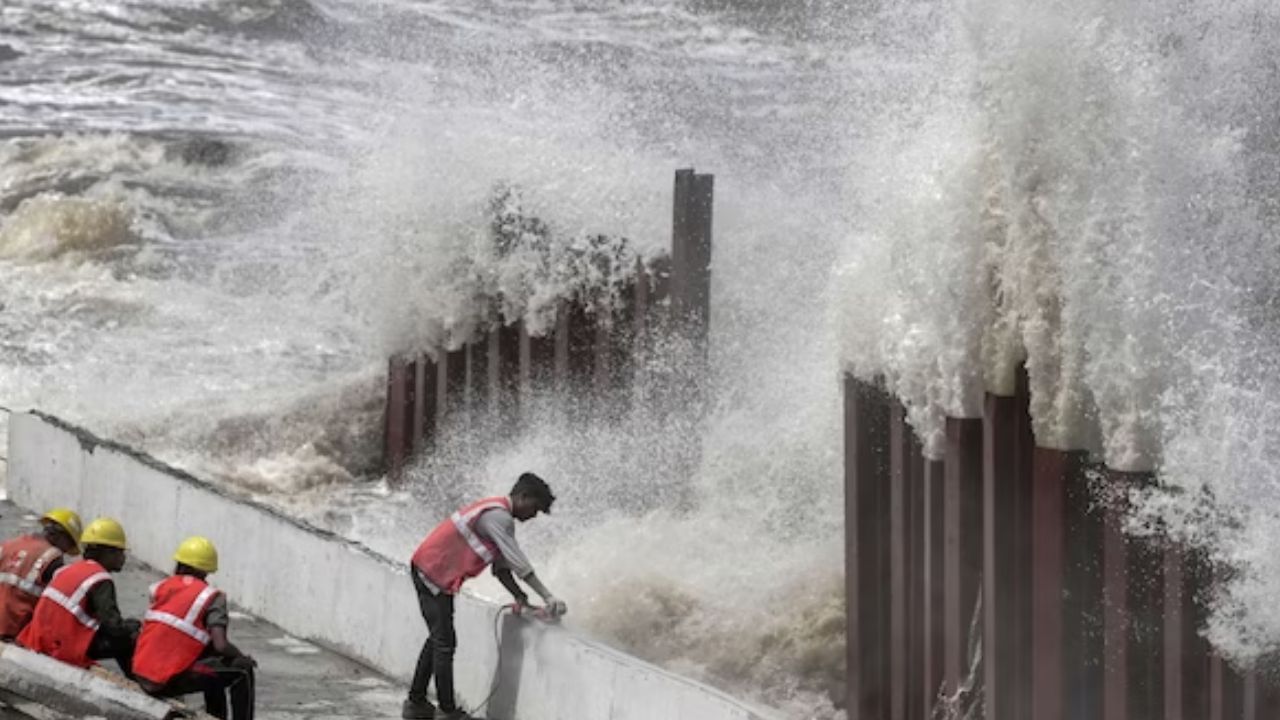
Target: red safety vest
{"points": [[454, 551], [61, 626], [174, 634], [23, 561]]}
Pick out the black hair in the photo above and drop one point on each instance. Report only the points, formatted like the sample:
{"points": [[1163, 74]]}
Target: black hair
{"points": [[94, 551], [184, 569], [535, 487], [49, 528]]}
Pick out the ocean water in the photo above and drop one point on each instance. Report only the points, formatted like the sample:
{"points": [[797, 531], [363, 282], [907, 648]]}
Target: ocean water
{"points": [[219, 217]]}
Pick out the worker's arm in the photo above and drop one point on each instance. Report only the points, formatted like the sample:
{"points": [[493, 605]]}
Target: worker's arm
{"points": [[103, 607], [499, 527], [532, 581], [221, 644], [217, 618], [503, 573]]}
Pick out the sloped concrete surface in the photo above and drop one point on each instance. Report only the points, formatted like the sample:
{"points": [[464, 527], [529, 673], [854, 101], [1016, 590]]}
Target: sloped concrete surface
{"points": [[28, 678], [296, 680]]}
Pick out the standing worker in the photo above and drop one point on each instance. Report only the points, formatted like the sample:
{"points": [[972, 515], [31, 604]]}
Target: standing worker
{"points": [[183, 647], [27, 564], [77, 619], [459, 548]]}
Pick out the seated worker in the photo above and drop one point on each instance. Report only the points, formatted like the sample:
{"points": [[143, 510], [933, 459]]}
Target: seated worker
{"points": [[27, 564], [183, 647], [459, 548], [77, 619]]}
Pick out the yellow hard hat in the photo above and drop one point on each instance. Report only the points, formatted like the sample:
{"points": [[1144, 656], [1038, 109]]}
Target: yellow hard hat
{"points": [[199, 553], [68, 521], [104, 531]]}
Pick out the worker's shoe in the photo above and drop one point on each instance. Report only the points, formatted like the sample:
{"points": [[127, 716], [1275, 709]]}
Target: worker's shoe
{"points": [[418, 710]]}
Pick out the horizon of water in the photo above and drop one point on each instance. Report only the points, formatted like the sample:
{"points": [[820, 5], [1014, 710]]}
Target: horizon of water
{"points": [[218, 218]]}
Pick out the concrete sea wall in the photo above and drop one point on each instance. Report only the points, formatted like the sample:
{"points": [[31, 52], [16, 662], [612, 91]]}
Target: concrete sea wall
{"points": [[340, 594]]}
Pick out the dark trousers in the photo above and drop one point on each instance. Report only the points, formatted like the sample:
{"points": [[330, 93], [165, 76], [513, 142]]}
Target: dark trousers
{"points": [[436, 657], [215, 679], [114, 647]]}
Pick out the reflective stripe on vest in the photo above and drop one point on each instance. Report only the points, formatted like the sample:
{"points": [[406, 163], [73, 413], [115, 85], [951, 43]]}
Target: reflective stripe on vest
{"points": [[23, 584], [72, 604], [187, 625], [462, 523], [30, 583]]}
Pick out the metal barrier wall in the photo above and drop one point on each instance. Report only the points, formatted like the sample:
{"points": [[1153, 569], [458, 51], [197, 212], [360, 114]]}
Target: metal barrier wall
{"points": [[1022, 547], [491, 372]]}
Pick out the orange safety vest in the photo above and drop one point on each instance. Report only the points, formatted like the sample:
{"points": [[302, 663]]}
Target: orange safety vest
{"points": [[23, 561], [454, 551], [61, 626], [174, 634]]}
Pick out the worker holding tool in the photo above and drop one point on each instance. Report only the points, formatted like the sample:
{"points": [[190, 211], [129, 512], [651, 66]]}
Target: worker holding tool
{"points": [[27, 564], [77, 619], [459, 548], [183, 647]]}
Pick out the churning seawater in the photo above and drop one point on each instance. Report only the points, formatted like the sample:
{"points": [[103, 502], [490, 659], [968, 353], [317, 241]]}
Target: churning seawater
{"points": [[218, 218]]}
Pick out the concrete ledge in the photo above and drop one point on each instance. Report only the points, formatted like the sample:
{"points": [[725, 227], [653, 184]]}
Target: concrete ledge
{"points": [[40, 685], [340, 594]]}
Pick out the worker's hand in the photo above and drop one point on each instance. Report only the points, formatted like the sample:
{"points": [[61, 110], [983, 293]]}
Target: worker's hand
{"points": [[243, 662], [556, 608]]}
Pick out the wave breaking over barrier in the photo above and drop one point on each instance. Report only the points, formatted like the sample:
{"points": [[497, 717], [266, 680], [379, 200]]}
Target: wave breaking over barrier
{"points": [[1089, 189], [929, 190]]}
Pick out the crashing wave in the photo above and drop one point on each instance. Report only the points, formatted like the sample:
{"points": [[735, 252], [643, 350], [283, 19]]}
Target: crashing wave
{"points": [[52, 225]]}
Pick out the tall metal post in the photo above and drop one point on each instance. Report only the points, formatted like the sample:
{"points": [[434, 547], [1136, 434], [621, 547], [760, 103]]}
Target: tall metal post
{"points": [[917, 707], [866, 447], [424, 404], [1082, 621], [1133, 612], [999, 594], [398, 416], [691, 253], [899, 602], [932, 672], [1053, 472], [962, 551]]}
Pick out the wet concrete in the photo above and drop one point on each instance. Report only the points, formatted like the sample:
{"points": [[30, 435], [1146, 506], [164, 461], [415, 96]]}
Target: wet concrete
{"points": [[296, 680]]}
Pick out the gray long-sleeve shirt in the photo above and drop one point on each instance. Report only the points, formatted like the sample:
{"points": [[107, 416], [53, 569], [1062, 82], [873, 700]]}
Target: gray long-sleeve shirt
{"points": [[499, 527]]}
